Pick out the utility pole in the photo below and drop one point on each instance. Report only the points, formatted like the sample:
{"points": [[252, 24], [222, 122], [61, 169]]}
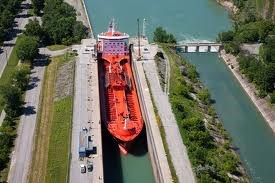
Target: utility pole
{"points": [[138, 40]]}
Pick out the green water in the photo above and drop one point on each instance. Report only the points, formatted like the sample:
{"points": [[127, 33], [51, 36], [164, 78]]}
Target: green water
{"points": [[195, 20]]}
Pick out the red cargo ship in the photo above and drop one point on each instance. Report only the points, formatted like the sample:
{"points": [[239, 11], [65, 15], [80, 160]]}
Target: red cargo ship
{"points": [[119, 101]]}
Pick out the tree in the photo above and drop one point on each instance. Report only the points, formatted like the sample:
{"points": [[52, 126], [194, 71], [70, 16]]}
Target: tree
{"points": [[79, 31], [12, 99], [265, 26], [27, 48], [248, 36], [33, 28], [59, 23], [38, 5], [21, 77], [160, 35], [226, 36], [232, 47]]}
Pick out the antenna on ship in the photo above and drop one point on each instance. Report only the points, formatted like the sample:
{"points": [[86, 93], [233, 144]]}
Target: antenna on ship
{"points": [[138, 39], [144, 28], [113, 26]]}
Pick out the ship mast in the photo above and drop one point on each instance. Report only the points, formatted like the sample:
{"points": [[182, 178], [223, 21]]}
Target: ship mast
{"points": [[111, 27], [138, 39], [144, 28]]}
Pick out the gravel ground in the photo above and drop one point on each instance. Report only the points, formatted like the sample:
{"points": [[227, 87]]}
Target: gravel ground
{"points": [[64, 81]]}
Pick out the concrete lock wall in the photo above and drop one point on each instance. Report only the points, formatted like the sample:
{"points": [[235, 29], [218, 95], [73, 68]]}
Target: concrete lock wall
{"points": [[159, 161]]}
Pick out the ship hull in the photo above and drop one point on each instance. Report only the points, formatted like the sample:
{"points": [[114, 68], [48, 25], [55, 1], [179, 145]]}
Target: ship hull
{"points": [[120, 109], [124, 138]]}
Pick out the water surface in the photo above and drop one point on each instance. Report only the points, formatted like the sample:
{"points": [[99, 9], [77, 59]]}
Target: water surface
{"points": [[199, 20]]}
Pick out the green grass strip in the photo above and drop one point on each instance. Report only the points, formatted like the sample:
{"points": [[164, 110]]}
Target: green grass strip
{"points": [[58, 160]]}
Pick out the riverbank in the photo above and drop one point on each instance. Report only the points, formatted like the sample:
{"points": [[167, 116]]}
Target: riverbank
{"points": [[228, 5], [262, 104]]}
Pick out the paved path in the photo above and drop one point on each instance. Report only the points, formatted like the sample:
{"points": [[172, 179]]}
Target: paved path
{"points": [[21, 156], [176, 147], [45, 51], [21, 20], [2, 117], [86, 114]]}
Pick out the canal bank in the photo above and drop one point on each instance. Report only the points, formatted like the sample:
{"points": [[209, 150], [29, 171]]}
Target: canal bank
{"points": [[251, 135], [262, 104]]}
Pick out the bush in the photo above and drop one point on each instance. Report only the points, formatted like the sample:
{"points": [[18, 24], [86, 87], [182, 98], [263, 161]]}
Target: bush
{"points": [[204, 96]]}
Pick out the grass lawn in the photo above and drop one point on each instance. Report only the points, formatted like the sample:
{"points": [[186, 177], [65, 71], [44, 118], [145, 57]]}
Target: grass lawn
{"points": [[8, 71], [58, 156], [56, 47]]}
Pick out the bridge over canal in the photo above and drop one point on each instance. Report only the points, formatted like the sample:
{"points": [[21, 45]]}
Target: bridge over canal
{"points": [[199, 47]]}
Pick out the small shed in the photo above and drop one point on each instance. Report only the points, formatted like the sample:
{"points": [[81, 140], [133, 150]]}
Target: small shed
{"points": [[86, 145]]}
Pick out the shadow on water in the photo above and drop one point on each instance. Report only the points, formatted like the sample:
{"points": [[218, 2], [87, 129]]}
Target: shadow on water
{"points": [[111, 159], [119, 168], [139, 146]]}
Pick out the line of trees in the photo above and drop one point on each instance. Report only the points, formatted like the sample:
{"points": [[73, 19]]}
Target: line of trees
{"points": [[12, 94], [60, 25], [251, 27], [8, 11]]}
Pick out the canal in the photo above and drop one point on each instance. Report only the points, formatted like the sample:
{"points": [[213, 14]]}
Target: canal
{"points": [[194, 20]]}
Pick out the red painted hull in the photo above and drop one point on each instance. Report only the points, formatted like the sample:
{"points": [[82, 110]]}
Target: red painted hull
{"points": [[120, 107]]}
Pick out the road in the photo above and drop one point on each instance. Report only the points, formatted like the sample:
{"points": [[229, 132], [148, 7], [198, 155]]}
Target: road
{"points": [[21, 156], [86, 113], [176, 147], [21, 20]]}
